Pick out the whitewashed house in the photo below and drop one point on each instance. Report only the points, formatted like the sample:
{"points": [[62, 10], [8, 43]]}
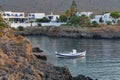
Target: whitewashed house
{"points": [[36, 15], [88, 14], [14, 16], [52, 17], [18, 17], [97, 18], [6, 14], [105, 18]]}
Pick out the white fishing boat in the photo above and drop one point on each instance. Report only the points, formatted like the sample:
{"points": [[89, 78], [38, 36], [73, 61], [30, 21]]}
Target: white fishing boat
{"points": [[73, 54]]}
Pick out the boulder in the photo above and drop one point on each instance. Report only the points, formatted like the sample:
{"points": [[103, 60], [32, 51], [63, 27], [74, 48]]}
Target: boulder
{"points": [[37, 49], [82, 77], [41, 56]]}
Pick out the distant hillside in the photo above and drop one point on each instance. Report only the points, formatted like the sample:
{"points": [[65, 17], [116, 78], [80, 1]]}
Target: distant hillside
{"points": [[60, 5]]}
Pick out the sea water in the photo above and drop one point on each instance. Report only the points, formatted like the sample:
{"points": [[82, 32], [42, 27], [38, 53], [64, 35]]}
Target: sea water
{"points": [[102, 59]]}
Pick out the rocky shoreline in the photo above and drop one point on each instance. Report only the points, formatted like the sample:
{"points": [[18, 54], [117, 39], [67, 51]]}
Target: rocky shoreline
{"points": [[18, 61], [104, 32]]}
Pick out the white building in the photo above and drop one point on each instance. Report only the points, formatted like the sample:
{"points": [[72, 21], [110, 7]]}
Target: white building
{"points": [[16, 19], [6, 15], [10, 14], [52, 17], [18, 15], [36, 15], [97, 18], [88, 14], [14, 16], [105, 18]]}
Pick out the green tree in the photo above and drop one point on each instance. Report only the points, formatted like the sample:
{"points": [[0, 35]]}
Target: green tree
{"points": [[67, 13], [84, 21], [73, 8], [31, 23], [115, 15], [1, 19], [74, 20], [2, 22], [62, 18]]}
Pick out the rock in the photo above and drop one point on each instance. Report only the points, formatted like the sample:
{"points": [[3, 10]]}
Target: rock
{"points": [[58, 73], [41, 56], [103, 32], [82, 77], [39, 53], [37, 49]]}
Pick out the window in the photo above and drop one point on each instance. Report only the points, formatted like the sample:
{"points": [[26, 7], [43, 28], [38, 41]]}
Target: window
{"points": [[21, 14], [16, 14], [8, 14], [50, 17], [33, 15]]}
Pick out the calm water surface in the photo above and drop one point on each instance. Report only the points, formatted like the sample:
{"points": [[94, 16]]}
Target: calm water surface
{"points": [[102, 60]]}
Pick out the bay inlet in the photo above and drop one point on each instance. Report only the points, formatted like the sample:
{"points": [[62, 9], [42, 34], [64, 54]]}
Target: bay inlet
{"points": [[102, 59]]}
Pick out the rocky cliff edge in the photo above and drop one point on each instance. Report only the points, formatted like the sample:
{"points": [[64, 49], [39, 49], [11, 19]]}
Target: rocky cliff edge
{"points": [[17, 61]]}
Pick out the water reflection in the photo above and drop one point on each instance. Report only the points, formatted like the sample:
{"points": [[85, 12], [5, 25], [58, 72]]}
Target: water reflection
{"points": [[72, 62]]}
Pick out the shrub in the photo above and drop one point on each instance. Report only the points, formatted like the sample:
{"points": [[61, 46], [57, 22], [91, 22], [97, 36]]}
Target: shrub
{"points": [[21, 28], [39, 25], [118, 22], [44, 19], [109, 22], [95, 24], [2, 24]]}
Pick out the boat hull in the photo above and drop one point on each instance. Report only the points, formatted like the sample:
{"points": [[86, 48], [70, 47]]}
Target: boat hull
{"points": [[71, 55]]}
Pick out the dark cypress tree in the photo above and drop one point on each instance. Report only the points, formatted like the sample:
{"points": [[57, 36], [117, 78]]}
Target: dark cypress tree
{"points": [[73, 9]]}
